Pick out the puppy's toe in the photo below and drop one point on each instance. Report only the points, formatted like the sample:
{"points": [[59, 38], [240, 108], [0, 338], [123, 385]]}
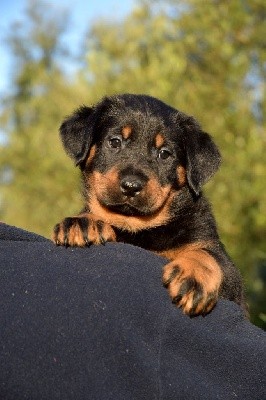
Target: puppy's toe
{"points": [[190, 292], [82, 231]]}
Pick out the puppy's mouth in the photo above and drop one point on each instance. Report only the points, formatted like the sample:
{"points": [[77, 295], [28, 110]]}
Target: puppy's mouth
{"points": [[127, 210]]}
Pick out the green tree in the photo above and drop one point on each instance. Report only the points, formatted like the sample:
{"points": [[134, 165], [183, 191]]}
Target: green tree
{"points": [[35, 174]]}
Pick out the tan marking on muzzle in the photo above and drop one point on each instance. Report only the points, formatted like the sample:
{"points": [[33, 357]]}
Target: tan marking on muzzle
{"points": [[100, 184]]}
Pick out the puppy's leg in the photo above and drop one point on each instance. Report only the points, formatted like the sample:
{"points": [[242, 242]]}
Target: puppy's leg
{"points": [[193, 279], [83, 230]]}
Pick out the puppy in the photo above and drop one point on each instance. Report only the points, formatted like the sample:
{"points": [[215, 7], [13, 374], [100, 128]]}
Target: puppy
{"points": [[143, 165]]}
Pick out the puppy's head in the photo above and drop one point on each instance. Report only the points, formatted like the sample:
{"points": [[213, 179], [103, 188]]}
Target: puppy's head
{"points": [[136, 152]]}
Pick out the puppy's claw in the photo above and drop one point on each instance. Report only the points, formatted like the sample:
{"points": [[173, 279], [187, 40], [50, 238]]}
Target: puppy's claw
{"points": [[87, 242], [102, 241], [177, 299], [172, 275]]}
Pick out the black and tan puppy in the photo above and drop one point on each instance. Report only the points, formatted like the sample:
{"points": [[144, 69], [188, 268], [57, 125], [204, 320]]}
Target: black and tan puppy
{"points": [[143, 165]]}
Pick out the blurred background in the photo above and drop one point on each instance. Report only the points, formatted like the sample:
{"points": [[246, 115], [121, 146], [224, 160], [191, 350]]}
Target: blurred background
{"points": [[206, 58]]}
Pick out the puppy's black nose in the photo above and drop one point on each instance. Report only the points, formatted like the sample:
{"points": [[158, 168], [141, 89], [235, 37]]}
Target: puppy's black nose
{"points": [[131, 185]]}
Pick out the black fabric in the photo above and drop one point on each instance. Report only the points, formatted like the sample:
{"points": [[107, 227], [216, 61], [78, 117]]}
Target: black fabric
{"points": [[8, 232], [96, 323]]}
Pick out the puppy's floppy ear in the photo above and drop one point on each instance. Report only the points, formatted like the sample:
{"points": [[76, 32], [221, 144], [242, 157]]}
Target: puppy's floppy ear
{"points": [[202, 155], [77, 133]]}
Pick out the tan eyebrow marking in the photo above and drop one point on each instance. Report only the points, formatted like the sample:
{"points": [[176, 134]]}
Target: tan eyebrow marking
{"points": [[159, 140], [126, 132]]}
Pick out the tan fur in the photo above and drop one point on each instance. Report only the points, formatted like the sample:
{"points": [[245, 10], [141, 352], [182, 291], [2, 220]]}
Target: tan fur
{"points": [[159, 140], [181, 175], [126, 132], [193, 262], [161, 201], [91, 154]]}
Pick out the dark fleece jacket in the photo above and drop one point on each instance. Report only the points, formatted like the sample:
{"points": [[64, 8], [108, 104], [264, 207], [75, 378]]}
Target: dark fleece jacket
{"points": [[96, 323]]}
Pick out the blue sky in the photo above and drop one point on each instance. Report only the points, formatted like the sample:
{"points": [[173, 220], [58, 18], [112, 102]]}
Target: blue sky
{"points": [[82, 14]]}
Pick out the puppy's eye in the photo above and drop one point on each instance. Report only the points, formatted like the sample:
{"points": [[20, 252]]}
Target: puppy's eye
{"points": [[164, 154], [115, 142]]}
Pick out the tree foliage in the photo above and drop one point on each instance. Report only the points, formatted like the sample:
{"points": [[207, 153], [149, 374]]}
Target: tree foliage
{"points": [[205, 58], [35, 173]]}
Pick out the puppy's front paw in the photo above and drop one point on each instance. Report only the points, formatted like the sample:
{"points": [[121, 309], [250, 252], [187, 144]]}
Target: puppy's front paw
{"points": [[193, 283], [82, 231]]}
